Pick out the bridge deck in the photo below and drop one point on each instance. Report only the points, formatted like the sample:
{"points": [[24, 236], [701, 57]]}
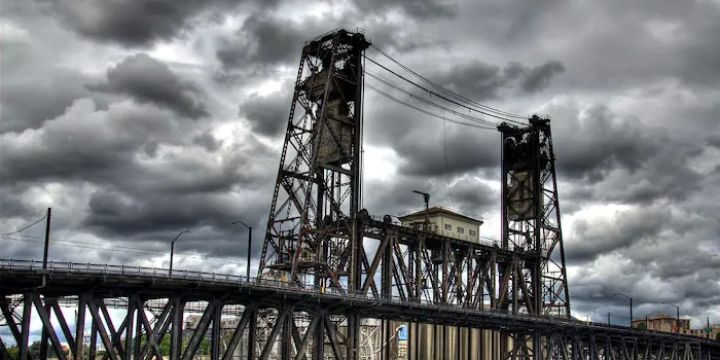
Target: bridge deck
{"points": [[110, 281]]}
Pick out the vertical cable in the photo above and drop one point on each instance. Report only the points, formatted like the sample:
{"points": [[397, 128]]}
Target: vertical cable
{"points": [[447, 164]]}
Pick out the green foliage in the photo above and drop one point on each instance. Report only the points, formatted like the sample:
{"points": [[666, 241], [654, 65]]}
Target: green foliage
{"points": [[203, 349], [34, 350], [14, 352]]}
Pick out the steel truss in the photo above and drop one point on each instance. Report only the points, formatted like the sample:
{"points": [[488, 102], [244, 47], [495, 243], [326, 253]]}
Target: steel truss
{"points": [[309, 238], [531, 223], [278, 321], [138, 335]]}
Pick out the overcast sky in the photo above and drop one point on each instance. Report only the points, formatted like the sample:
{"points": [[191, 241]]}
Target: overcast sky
{"points": [[136, 119]]}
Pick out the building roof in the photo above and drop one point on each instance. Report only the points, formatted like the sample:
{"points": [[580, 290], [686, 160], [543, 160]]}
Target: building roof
{"points": [[659, 316], [436, 210]]}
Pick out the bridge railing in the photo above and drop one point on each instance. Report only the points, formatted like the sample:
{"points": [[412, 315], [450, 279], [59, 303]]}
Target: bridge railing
{"points": [[56, 267]]}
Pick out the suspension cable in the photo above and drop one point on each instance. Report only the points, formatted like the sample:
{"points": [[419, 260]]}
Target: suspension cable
{"points": [[448, 91], [437, 94], [390, 97], [431, 103]]}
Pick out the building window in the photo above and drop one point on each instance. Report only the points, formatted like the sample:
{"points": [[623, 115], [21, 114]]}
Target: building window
{"points": [[473, 232], [448, 227], [461, 230]]}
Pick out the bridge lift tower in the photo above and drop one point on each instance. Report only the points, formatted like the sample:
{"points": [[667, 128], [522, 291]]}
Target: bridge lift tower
{"points": [[310, 232], [531, 223]]}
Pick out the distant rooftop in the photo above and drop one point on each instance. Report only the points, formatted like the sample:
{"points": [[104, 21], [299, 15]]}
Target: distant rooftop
{"points": [[437, 209]]}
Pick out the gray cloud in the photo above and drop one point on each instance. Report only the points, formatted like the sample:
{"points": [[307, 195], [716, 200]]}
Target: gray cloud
{"points": [[484, 81], [263, 40], [132, 23], [268, 114], [595, 140], [620, 231], [148, 80], [422, 9], [536, 78]]}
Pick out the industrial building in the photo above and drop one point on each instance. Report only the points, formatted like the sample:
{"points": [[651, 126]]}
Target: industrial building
{"points": [[666, 323], [446, 222]]}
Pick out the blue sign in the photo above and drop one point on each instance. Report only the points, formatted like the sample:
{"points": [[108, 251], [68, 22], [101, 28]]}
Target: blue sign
{"points": [[402, 333]]}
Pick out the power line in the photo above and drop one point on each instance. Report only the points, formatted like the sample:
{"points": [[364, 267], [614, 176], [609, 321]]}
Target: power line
{"points": [[19, 230], [431, 103], [447, 91], [427, 112], [436, 94], [83, 245]]}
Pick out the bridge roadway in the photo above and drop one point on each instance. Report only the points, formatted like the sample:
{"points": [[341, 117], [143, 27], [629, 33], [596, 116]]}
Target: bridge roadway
{"points": [[111, 281]]}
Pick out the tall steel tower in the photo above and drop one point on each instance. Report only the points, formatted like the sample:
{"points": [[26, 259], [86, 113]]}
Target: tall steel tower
{"points": [[310, 233], [535, 284]]}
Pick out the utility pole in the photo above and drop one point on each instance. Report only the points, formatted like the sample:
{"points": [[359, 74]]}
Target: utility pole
{"points": [[172, 250], [708, 330], [47, 238], [677, 314], [249, 251], [608, 319], [631, 305]]}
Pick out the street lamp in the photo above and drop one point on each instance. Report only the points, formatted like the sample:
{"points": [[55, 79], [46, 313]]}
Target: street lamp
{"points": [[172, 249], [677, 313], [426, 198], [249, 251], [631, 305]]}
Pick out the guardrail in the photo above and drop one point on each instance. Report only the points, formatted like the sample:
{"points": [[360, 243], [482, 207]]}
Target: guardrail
{"points": [[229, 279]]}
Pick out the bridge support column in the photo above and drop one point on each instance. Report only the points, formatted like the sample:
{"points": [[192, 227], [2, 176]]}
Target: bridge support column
{"points": [[252, 333], [353, 336], [177, 324]]}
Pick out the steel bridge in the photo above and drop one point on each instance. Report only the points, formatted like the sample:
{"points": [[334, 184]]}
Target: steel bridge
{"points": [[260, 303], [327, 266]]}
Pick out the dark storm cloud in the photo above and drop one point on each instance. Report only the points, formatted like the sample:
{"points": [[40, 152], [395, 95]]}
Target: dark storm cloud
{"points": [[146, 217], [425, 145], [420, 9], [464, 193], [536, 78], [116, 213], [135, 193], [713, 140], [131, 22], [148, 80], [35, 87], [466, 151], [591, 142], [264, 40], [470, 194], [622, 230], [81, 143], [483, 81], [33, 93], [268, 114], [208, 141]]}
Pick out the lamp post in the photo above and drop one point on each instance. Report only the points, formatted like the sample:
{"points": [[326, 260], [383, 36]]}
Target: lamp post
{"points": [[677, 314], [426, 198], [631, 305], [249, 251], [172, 249]]}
